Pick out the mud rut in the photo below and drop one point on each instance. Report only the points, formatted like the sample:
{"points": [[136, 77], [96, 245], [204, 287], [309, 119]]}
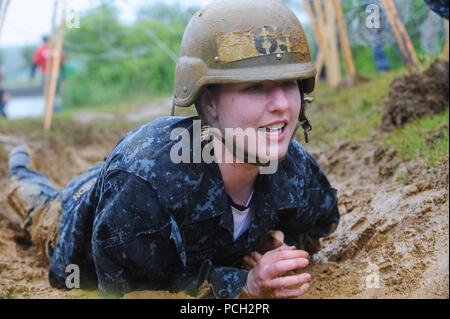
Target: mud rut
{"points": [[392, 241]]}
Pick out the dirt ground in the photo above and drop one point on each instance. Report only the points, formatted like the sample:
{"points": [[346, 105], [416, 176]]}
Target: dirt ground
{"points": [[392, 241]]}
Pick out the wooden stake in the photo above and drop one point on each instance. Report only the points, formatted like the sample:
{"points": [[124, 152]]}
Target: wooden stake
{"points": [[325, 48], [50, 49], [404, 33], [445, 50], [319, 39], [345, 44], [56, 61], [321, 27], [335, 65], [3, 16], [397, 36], [319, 64], [313, 19]]}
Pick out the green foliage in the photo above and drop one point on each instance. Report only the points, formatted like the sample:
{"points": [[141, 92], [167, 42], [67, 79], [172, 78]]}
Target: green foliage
{"points": [[166, 13], [121, 61], [363, 60]]}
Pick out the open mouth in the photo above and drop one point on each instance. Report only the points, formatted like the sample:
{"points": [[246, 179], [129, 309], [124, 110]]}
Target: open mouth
{"points": [[275, 129]]}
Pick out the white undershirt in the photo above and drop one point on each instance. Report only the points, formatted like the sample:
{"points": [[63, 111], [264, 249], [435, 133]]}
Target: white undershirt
{"points": [[241, 219]]}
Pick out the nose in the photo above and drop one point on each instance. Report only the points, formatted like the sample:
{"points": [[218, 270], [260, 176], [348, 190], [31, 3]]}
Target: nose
{"points": [[278, 101]]}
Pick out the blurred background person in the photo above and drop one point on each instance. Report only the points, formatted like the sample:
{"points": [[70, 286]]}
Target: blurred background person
{"points": [[4, 96]]}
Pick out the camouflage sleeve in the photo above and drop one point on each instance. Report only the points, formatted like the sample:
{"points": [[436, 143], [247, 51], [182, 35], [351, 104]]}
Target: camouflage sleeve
{"points": [[137, 245], [212, 282], [439, 7], [321, 211], [131, 243], [227, 282]]}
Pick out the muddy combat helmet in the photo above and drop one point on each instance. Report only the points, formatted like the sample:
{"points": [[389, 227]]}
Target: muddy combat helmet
{"points": [[237, 41]]}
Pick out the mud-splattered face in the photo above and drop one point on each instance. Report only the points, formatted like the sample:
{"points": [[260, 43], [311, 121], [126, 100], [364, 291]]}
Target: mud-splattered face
{"points": [[269, 110]]}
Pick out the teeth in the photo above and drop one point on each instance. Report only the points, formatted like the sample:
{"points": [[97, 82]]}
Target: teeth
{"points": [[274, 132], [275, 126], [273, 129]]}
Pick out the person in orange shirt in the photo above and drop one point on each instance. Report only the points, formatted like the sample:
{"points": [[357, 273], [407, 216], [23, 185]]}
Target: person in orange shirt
{"points": [[40, 57], [40, 60]]}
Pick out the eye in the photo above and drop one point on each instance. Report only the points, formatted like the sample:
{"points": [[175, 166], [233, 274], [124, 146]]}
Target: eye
{"points": [[289, 84], [254, 87]]}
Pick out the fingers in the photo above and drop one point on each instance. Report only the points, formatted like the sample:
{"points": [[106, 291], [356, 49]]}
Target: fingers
{"points": [[284, 247], [282, 266], [256, 256], [249, 262], [282, 282], [282, 253], [291, 293]]}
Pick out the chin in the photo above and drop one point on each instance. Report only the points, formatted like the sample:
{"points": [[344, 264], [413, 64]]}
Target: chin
{"points": [[277, 153]]}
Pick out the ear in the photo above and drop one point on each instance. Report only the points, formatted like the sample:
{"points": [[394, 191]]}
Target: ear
{"points": [[208, 103]]}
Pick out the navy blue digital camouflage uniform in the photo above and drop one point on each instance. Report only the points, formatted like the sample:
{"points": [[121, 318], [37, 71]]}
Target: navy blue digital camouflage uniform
{"points": [[138, 221], [439, 7]]}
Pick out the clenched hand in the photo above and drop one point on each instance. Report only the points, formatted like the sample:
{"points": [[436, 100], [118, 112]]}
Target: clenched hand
{"points": [[265, 278]]}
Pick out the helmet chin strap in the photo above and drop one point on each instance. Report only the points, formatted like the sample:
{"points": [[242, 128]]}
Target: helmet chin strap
{"points": [[243, 155], [302, 119]]}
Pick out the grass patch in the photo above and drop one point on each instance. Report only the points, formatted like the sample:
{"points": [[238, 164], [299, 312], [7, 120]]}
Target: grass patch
{"points": [[348, 113], [425, 139]]}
